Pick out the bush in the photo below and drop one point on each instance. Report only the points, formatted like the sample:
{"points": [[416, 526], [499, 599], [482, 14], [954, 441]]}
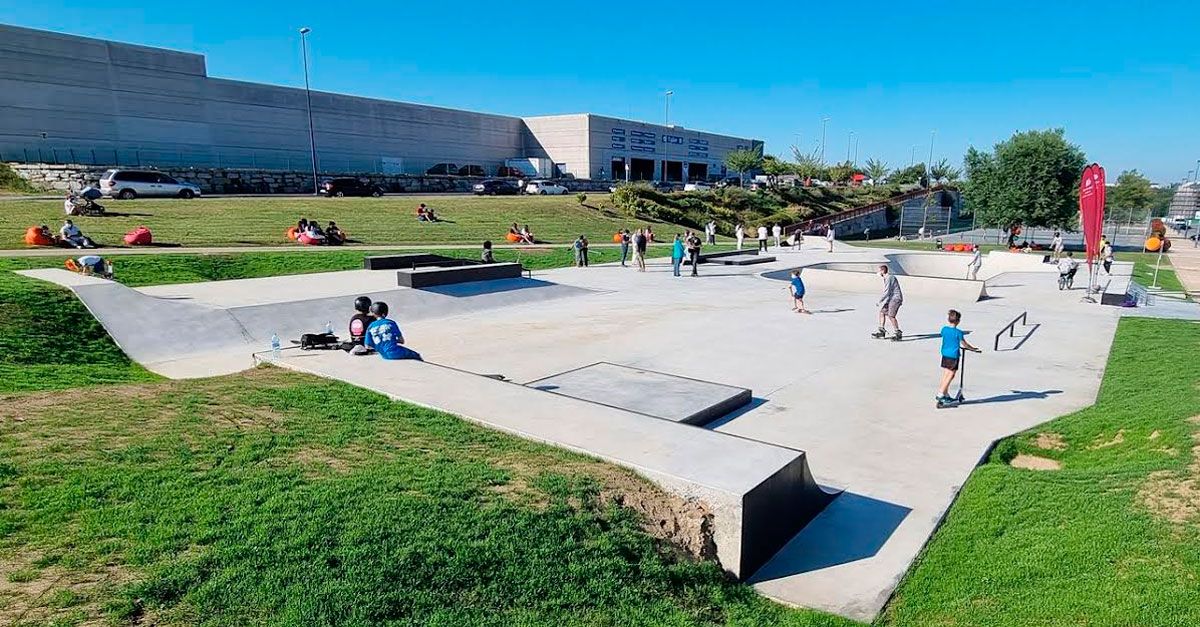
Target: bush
{"points": [[10, 181], [581, 197], [1004, 451]]}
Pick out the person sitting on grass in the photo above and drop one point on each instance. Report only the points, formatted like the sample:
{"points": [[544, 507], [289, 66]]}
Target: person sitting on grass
{"points": [[384, 336], [425, 214], [315, 233], [953, 341], [334, 235], [301, 227], [526, 235], [486, 256], [72, 236], [44, 231]]}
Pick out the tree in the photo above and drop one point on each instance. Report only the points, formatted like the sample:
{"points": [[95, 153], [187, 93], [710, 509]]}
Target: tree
{"points": [[943, 171], [808, 165], [744, 160], [841, 172], [907, 176], [1030, 179], [1131, 197], [774, 167], [877, 170]]}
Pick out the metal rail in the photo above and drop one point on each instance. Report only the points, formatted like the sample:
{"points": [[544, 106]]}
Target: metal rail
{"points": [[1010, 327]]}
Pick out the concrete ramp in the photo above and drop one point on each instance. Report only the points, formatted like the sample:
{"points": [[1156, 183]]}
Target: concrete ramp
{"points": [[861, 278]]}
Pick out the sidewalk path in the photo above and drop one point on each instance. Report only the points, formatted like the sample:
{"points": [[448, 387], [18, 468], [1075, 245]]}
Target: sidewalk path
{"points": [[1186, 262]]}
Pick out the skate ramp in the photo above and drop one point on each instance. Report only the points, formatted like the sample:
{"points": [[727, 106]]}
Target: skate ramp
{"points": [[861, 278]]}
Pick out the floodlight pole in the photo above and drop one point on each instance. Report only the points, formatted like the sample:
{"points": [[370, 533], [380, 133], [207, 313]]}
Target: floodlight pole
{"points": [[312, 136]]}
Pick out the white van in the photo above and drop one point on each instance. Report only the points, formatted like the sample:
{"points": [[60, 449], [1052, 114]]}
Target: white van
{"points": [[129, 184]]}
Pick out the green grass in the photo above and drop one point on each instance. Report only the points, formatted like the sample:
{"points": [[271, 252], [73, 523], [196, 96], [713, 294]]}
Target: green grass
{"points": [[1081, 545], [273, 498], [375, 221]]}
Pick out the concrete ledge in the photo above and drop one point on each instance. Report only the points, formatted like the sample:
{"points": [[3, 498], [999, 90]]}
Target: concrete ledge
{"points": [[860, 277], [708, 257], [431, 276], [759, 494], [743, 260], [414, 260]]}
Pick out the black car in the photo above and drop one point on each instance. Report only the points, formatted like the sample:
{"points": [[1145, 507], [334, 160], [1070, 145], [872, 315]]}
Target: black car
{"points": [[496, 187], [348, 186]]}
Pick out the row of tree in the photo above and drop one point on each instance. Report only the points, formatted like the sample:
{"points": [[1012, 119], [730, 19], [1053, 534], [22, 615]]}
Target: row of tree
{"points": [[1030, 179]]}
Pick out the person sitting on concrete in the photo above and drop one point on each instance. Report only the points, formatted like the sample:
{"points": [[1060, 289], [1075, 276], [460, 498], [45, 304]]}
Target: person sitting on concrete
{"points": [[72, 236], [334, 235], [486, 256], [384, 336], [358, 327], [937, 244]]}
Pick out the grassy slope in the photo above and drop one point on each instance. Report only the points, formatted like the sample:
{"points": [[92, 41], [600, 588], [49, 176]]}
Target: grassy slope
{"points": [[375, 221], [1079, 546]]}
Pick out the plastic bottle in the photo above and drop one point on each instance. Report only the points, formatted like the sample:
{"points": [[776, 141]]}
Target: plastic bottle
{"points": [[329, 327], [275, 346]]}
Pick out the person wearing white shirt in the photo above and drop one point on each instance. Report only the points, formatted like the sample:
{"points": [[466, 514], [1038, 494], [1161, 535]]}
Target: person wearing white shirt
{"points": [[777, 231], [1056, 245], [829, 236], [740, 233], [974, 265], [762, 238]]}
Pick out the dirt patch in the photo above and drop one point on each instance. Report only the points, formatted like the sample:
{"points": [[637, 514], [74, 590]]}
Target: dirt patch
{"points": [[1033, 462], [31, 595], [1119, 438], [1175, 496], [322, 459], [1154, 435], [1050, 442]]}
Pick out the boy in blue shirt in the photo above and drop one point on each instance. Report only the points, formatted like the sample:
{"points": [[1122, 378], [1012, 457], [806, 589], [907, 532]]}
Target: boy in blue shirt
{"points": [[385, 337], [953, 340], [797, 289]]}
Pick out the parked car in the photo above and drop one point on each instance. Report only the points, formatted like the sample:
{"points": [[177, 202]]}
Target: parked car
{"points": [[543, 188], [471, 170], [697, 186], [666, 187], [129, 184], [505, 170], [494, 187], [443, 169], [730, 181], [350, 186]]}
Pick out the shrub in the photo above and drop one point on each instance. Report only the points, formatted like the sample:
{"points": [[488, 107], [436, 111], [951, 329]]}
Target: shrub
{"points": [[581, 197], [10, 181]]}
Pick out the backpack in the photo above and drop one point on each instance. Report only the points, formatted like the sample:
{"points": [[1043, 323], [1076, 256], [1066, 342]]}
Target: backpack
{"points": [[318, 341]]}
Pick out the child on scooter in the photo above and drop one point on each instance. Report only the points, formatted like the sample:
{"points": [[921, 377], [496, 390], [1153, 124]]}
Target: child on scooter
{"points": [[953, 340]]}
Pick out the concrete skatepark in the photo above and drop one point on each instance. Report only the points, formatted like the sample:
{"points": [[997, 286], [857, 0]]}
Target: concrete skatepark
{"points": [[839, 428]]}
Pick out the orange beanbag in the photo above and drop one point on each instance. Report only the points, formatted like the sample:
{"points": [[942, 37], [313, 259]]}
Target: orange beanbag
{"points": [[71, 265], [512, 237], [290, 233], [617, 238], [34, 237], [140, 236]]}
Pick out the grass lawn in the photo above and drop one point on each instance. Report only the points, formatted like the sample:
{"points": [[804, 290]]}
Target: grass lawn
{"points": [[375, 221], [1112, 538]]}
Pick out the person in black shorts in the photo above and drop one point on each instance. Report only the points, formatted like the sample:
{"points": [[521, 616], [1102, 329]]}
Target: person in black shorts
{"points": [[953, 341]]}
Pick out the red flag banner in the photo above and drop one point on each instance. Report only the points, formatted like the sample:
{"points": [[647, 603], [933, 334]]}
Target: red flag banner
{"points": [[1091, 209]]}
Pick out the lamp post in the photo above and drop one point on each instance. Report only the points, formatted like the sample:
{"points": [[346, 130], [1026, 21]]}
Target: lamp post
{"points": [[912, 156], [849, 142], [312, 137], [824, 121], [667, 115], [929, 164]]}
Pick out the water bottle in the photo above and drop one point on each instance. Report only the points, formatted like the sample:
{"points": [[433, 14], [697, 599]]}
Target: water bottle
{"points": [[275, 346], [329, 327]]}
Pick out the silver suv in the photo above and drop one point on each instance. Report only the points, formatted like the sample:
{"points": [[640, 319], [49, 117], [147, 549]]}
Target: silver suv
{"points": [[129, 184]]}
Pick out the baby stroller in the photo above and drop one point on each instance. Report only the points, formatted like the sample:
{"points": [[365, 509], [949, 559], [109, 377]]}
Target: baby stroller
{"points": [[84, 203]]}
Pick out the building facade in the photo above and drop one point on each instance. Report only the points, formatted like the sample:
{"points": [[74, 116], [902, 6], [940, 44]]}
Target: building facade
{"points": [[69, 99]]}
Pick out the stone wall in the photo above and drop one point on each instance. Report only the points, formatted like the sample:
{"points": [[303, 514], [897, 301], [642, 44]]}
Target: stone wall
{"points": [[63, 178]]}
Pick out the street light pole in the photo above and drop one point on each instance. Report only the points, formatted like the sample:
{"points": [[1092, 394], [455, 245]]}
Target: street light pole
{"points": [[849, 142], [929, 165], [912, 156], [824, 121], [667, 115], [312, 136]]}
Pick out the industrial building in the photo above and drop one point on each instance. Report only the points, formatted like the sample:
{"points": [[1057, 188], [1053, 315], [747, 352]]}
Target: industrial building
{"points": [[69, 99]]}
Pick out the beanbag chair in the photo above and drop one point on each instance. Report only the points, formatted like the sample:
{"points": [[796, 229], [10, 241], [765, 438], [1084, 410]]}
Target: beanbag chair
{"points": [[139, 237], [305, 239], [290, 233], [34, 237], [71, 265], [617, 238], [512, 237]]}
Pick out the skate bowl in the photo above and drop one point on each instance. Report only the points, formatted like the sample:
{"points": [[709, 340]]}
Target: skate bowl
{"points": [[861, 278]]}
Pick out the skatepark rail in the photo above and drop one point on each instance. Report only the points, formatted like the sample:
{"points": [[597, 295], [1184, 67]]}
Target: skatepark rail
{"points": [[1011, 328]]}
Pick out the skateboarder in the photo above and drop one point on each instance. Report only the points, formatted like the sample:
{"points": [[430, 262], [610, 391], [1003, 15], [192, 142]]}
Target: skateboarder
{"points": [[889, 304], [385, 337], [953, 340], [975, 263], [797, 289]]}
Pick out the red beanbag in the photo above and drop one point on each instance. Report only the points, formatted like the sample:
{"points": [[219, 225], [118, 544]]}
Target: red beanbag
{"points": [[139, 237], [305, 239], [617, 238]]}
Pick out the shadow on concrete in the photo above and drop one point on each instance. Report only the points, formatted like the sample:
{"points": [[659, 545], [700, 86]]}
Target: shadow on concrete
{"points": [[1016, 395], [755, 403], [853, 527], [918, 337], [477, 288], [829, 311]]}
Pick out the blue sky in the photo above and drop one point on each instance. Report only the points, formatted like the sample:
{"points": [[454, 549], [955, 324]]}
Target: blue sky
{"points": [[1123, 78]]}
